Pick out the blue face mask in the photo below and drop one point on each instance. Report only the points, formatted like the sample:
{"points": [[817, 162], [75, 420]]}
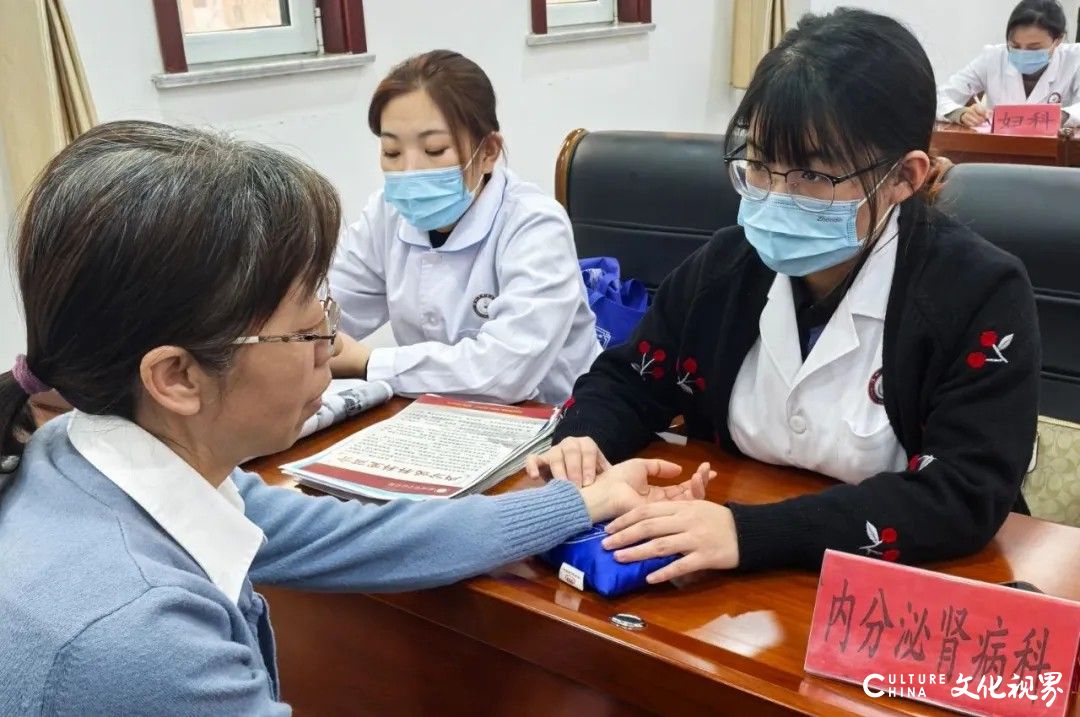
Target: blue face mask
{"points": [[430, 198], [1028, 62], [794, 241]]}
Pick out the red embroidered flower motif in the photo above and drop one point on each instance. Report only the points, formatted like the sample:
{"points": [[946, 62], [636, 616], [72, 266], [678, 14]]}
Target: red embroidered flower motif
{"points": [[918, 462], [887, 536], [989, 340], [649, 365], [689, 380]]}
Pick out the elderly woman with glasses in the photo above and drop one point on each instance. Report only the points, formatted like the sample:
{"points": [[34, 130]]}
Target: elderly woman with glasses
{"points": [[173, 284], [844, 327]]}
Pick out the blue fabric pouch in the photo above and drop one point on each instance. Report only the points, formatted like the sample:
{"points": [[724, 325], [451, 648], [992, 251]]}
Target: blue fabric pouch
{"points": [[618, 303], [585, 564]]}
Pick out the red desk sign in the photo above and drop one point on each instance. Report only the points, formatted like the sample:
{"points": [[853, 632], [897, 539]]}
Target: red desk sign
{"points": [[979, 648], [1027, 120]]}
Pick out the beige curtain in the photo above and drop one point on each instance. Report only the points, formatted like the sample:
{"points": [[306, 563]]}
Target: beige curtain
{"points": [[44, 99], [758, 27]]}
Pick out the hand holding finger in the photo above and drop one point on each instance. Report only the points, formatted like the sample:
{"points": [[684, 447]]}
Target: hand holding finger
{"points": [[699, 529]]}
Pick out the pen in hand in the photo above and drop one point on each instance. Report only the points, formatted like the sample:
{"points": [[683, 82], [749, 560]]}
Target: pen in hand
{"points": [[975, 115]]}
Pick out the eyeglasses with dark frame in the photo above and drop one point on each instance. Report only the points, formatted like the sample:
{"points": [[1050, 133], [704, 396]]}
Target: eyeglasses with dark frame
{"points": [[326, 332], [807, 188]]}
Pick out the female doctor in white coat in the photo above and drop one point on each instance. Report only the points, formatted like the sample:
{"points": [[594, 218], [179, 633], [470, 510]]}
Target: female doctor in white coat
{"points": [[475, 269], [827, 332], [1035, 66]]}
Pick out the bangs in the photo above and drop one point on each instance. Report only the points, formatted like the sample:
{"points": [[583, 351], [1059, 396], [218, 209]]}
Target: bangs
{"points": [[163, 236], [790, 120]]}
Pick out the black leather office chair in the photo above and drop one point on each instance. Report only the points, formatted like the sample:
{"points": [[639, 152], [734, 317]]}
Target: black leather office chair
{"points": [[649, 199], [1033, 213]]}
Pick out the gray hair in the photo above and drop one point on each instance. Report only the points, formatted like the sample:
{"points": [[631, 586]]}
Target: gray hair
{"points": [[140, 235]]}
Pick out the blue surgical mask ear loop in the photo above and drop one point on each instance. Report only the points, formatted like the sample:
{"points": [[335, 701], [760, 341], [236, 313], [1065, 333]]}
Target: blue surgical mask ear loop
{"points": [[469, 164], [881, 222], [877, 187]]}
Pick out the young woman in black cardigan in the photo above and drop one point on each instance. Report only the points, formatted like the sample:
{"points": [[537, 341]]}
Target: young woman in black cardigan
{"points": [[843, 327]]}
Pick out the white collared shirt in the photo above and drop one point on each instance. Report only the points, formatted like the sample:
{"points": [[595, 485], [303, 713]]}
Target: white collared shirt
{"points": [[825, 414], [208, 523], [499, 312], [992, 73]]}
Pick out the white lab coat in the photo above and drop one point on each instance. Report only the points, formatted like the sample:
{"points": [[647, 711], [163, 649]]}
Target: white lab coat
{"points": [[821, 414], [497, 313], [992, 73]]}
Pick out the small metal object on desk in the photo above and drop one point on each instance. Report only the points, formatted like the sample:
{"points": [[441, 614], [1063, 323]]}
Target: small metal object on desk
{"points": [[627, 621]]}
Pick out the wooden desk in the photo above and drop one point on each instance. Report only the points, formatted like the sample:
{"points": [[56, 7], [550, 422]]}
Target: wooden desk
{"points": [[963, 145], [520, 642]]}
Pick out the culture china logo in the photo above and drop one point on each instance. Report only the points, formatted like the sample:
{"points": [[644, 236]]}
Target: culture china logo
{"points": [[1046, 689], [980, 648]]}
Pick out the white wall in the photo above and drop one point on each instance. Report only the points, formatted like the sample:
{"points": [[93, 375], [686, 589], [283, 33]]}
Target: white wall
{"points": [[672, 79], [952, 31], [675, 78]]}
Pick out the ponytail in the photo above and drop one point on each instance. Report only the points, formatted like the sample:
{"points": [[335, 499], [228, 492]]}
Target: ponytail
{"points": [[16, 423], [935, 179]]}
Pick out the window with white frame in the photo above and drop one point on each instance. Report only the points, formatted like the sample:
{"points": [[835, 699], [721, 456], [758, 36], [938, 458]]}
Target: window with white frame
{"points": [[561, 13], [225, 30]]}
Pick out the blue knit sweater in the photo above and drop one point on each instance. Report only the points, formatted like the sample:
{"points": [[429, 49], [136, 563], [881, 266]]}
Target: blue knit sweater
{"points": [[102, 613]]}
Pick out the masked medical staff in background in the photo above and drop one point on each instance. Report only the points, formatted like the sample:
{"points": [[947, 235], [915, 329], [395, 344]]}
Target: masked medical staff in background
{"points": [[1035, 66], [475, 269]]}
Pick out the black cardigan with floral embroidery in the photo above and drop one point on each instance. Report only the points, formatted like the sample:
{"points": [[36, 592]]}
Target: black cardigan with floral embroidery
{"points": [[961, 360]]}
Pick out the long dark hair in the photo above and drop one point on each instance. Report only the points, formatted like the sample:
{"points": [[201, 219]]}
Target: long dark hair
{"points": [[140, 235], [1045, 14], [852, 88]]}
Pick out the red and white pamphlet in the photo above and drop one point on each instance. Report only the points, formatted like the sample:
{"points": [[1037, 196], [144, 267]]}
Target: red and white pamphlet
{"points": [[435, 448]]}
